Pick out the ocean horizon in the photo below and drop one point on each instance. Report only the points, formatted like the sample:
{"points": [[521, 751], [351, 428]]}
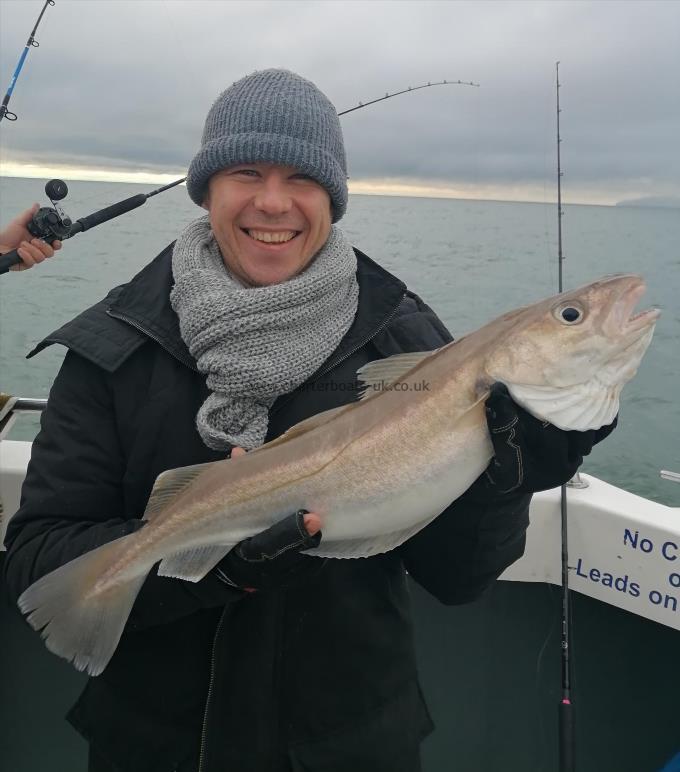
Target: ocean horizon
{"points": [[155, 180]]}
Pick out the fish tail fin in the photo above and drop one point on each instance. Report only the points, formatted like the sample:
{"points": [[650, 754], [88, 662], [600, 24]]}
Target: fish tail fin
{"points": [[80, 616]]}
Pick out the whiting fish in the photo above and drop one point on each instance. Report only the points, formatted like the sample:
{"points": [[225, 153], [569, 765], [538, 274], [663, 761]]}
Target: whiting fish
{"points": [[376, 471]]}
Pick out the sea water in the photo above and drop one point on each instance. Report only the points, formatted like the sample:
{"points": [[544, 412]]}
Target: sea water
{"points": [[469, 260]]}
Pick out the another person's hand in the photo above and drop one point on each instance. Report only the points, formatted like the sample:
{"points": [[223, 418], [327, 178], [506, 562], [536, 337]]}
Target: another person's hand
{"points": [[532, 455], [272, 559], [30, 249]]}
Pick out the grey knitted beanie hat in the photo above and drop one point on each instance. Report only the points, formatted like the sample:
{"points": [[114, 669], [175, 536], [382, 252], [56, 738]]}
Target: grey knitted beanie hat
{"points": [[273, 116]]}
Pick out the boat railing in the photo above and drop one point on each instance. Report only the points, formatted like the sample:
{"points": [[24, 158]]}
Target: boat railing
{"points": [[12, 407]]}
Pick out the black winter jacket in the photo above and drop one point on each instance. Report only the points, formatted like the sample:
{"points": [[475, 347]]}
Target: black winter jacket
{"points": [[320, 676]]}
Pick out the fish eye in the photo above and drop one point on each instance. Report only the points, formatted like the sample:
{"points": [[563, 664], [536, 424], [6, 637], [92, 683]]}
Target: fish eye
{"points": [[570, 313]]}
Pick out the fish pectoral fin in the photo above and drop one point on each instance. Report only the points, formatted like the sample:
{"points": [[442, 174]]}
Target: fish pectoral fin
{"points": [[169, 485], [374, 376], [366, 548], [192, 565], [583, 406]]}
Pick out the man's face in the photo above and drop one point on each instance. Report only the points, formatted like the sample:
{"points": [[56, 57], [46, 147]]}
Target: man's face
{"points": [[269, 220]]}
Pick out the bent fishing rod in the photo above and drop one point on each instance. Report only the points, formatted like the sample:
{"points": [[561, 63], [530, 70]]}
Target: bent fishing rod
{"points": [[52, 224], [30, 43]]}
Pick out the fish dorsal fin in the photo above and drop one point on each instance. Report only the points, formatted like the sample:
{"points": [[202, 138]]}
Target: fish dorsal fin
{"points": [[307, 425], [374, 376], [169, 485]]}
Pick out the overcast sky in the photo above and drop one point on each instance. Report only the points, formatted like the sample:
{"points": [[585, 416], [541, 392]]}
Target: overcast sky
{"points": [[123, 87]]}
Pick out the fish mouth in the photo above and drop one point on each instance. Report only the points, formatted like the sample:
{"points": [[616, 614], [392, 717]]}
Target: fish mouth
{"points": [[621, 318], [643, 319]]}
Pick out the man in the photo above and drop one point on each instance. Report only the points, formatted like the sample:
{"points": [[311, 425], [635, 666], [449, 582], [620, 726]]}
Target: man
{"points": [[224, 341]]}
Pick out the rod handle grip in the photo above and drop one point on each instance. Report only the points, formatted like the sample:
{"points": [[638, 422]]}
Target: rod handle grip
{"points": [[103, 215], [8, 260], [567, 745]]}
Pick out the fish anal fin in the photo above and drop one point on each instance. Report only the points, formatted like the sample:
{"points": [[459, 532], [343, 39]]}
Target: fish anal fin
{"points": [[193, 564], [169, 485], [374, 376]]}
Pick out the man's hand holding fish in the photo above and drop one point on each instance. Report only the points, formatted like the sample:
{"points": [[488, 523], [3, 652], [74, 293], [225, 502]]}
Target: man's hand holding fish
{"points": [[531, 455]]}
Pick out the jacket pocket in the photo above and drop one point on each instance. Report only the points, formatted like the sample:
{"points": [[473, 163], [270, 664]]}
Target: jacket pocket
{"points": [[385, 740]]}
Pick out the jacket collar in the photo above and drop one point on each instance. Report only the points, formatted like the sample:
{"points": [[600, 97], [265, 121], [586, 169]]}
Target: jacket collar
{"points": [[144, 303]]}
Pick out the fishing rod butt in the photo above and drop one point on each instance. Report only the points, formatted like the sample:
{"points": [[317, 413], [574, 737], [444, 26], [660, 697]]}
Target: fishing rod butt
{"points": [[566, 734], [8, 260]]}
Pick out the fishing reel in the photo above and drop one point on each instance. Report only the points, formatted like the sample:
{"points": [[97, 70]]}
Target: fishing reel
{"points": [[52, 223]]}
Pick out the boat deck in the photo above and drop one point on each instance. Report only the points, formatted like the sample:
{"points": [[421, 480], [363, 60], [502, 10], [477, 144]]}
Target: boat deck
{"points": [[490, 672]]}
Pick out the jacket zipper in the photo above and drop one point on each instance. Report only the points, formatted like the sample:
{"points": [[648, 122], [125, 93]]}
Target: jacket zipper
{"points": [[153, 337], [352, 351], [276, 676], [211, 683], [381, 327]]}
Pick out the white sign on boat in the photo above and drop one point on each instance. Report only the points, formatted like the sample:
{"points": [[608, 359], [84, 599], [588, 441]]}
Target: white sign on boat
{"points": [[623, 549]]}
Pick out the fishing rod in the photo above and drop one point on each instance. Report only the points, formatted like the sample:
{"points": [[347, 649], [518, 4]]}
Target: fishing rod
{"points": [[52, 224], [566, 717], [406, 91], [31, 42]]}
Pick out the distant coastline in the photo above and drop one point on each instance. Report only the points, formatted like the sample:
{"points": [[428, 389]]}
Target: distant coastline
{"points": [[652, 202]]}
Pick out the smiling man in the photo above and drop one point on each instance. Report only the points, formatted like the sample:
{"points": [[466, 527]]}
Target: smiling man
{"points": [[256, 318]]}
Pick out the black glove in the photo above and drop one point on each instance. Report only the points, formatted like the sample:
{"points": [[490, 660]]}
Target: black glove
{"points": [[272, 559], [532, 455]]}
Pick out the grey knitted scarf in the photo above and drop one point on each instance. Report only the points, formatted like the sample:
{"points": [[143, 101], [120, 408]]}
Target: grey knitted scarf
{"points": [[255, 343]]}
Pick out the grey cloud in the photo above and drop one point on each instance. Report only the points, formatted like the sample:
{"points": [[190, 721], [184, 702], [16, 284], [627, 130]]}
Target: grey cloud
{"points": [[128, 83]]}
